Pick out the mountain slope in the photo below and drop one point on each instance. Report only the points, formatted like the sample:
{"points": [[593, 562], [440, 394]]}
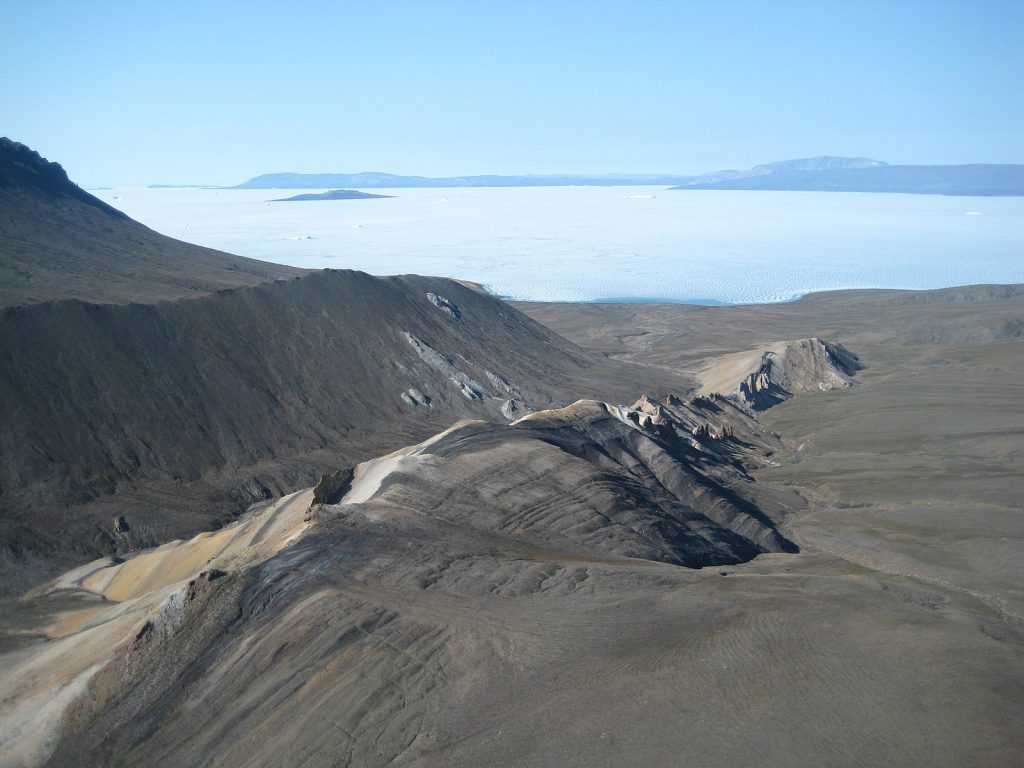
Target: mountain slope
{"points": [[59, 242], [480, 506], [129, 425], [512, 595]]}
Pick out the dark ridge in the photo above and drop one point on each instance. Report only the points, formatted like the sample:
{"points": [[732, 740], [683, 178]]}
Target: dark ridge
{"points": [[178, 415], [24, 168], [59, 242]]}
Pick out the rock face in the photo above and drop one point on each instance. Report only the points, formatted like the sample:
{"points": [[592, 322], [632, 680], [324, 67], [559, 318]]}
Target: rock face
{"points": [[512, 409], [333, 486], [465, 384], [448, 307], [765, 377], [415, 398]]}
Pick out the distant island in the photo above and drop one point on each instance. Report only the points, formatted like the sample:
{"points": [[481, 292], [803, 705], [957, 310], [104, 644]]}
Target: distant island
{"points": [[333, 194], [814, 174]]}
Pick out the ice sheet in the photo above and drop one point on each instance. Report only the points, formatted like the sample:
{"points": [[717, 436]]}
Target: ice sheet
{"points": [[600, 243]]}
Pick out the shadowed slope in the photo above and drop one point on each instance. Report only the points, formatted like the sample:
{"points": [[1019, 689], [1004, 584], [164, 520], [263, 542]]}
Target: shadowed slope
{"points": [[248, 393], [591, 476], [59, 242]]}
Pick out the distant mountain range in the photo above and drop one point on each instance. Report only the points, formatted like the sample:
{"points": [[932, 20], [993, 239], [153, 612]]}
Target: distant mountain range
{"points": [[822, 163], [841, 174], [371, 180], [815, 174]]}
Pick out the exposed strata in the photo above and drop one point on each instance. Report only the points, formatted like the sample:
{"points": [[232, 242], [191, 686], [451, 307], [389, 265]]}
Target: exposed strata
{"points": [[141, 599], [588, 480], [466, 385], [450, 308], [268, 387], [768, 375]]}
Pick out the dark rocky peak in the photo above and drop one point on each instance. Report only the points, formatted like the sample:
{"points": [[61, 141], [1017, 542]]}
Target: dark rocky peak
{"points": [[24, 170]]}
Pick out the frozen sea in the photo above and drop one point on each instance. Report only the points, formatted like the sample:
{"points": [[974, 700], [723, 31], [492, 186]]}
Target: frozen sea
{"points": [[613, 243]]}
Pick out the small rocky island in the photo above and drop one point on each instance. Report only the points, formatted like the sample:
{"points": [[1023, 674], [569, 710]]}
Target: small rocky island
{"points": [[333, 194]]}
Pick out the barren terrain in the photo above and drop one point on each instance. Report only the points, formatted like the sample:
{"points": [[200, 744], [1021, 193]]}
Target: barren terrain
{"points": [[462, 546], [524, 595]]}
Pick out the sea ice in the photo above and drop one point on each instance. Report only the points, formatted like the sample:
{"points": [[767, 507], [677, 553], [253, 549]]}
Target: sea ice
{"points": [[615, 243]]}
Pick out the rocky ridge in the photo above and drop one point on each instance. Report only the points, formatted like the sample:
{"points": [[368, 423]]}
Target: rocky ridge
{"points": [[178, 415], [663, 481], [769, 375], [57, 241]]}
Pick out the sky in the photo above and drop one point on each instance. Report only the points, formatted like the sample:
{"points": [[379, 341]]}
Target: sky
{"points": [[215, 92]]}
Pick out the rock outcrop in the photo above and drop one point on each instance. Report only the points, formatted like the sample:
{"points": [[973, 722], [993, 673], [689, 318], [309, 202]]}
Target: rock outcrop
{"points": [[450, 308], [333, 486], [465, 384], [767, 376]]}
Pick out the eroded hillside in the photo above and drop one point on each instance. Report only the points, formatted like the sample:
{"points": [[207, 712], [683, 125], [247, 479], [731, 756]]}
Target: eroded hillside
{"points": [[129, 425], [512, 510]]}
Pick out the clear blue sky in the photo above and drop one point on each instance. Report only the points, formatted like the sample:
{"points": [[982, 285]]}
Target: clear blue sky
{"points": [[206, 92]]}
